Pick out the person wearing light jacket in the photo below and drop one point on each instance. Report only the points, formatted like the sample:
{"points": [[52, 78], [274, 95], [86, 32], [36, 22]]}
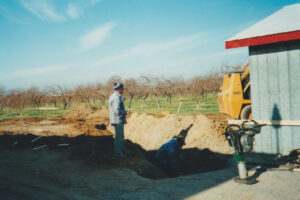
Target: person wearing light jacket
{"points": [[118, 118]]}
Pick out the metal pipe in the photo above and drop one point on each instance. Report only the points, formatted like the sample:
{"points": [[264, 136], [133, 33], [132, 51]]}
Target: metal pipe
{"points": [[243, 174]]}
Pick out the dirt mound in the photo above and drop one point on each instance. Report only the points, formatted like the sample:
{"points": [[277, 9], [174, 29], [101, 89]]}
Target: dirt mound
{"points": [[86, 111], [69, 127], [90, 128], [151, 132], [103, 112], [81, 111]]}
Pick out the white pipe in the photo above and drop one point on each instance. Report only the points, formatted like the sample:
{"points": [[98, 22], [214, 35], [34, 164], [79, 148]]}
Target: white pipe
{"points": [[35, 139], [270, 122], [40, 147], [63, 145], [242, 170]]}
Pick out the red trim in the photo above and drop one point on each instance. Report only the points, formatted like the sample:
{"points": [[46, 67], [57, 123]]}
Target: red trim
{"points": [[280, 37]]}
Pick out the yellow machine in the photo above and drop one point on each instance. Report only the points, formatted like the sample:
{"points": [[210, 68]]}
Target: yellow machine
{"points": [[234, 98]]}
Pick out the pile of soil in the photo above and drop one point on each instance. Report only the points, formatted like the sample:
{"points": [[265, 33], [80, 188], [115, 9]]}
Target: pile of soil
{"points": [[151, 131], [69, 127], [81, 111], [100, 113]]}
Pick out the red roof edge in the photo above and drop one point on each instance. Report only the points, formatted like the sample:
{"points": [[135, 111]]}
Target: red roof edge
{"points": [[268, 39]]}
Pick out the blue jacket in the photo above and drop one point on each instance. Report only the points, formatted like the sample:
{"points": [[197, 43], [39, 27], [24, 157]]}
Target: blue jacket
{"points": [[117, 109], [167, 154]]}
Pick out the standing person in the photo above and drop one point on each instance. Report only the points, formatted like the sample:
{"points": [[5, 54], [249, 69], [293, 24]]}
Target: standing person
{"points": [[118, 118]]}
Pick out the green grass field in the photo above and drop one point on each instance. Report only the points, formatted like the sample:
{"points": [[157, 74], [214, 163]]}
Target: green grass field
{"points": [[189, 106], [11, 113]]}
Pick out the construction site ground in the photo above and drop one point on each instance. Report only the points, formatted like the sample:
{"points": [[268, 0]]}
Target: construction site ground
{"points": [[72, 158]]}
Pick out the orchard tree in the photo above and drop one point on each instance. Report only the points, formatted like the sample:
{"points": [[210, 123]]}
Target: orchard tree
{"points": [[4, 100], [131, 88], [35, 96], [51, 96], [64, 95], [168, 89], [102, 92], [84, 93], [144, 89], [17, 99], [197, 89]]}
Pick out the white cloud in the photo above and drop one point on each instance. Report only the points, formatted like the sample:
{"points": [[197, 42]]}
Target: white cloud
{"points": [[96, 37], [43, 10], [94, 2], [180, 44], [77, 8], [74, 11], [23, 73]]}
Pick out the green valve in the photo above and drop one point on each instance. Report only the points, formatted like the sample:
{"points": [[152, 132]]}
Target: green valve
{"points": [[239, 157]]}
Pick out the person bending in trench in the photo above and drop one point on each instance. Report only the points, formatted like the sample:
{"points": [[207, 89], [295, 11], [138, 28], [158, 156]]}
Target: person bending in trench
{"points": [[167, 155], [118, 119]]}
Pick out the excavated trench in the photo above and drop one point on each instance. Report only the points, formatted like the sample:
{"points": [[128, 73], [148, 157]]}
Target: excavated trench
{"points": [[97, 152]]}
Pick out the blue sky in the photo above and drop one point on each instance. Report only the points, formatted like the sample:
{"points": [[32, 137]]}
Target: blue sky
{"points": [[45, 42]]}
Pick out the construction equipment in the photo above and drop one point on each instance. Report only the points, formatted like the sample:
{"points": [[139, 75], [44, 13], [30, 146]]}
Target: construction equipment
{"points": [[234, 98], [240, 139]]}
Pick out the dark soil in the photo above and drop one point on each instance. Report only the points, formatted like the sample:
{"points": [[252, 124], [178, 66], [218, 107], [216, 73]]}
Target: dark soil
{"points": [[97, 152]]}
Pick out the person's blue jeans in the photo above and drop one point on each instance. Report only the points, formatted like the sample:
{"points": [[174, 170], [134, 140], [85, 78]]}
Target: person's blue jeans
{"points": [[119, 140]]}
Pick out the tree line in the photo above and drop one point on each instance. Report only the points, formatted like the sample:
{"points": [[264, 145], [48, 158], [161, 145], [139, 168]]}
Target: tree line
{"points": [[139, 89]]}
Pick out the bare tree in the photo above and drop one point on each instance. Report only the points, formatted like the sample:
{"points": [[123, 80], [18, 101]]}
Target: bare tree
{"points": [[144, 89], [17, 99], [64, 95], [35, 96], [158, 90], [168, 89], [51, 96], [84, 93], [197, 89], [102, 92], [131, 88], [4, 100], [138, 89]]}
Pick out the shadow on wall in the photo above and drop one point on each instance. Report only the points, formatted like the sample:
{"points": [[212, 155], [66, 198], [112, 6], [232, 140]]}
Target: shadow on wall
{"points": [[276, 116]]}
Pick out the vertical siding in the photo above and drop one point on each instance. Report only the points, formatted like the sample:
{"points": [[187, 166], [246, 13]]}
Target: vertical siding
{"points": [[275, 94]]}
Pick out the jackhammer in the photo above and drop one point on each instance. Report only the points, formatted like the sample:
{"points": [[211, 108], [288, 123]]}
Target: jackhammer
{"points": [[240, 139]]}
